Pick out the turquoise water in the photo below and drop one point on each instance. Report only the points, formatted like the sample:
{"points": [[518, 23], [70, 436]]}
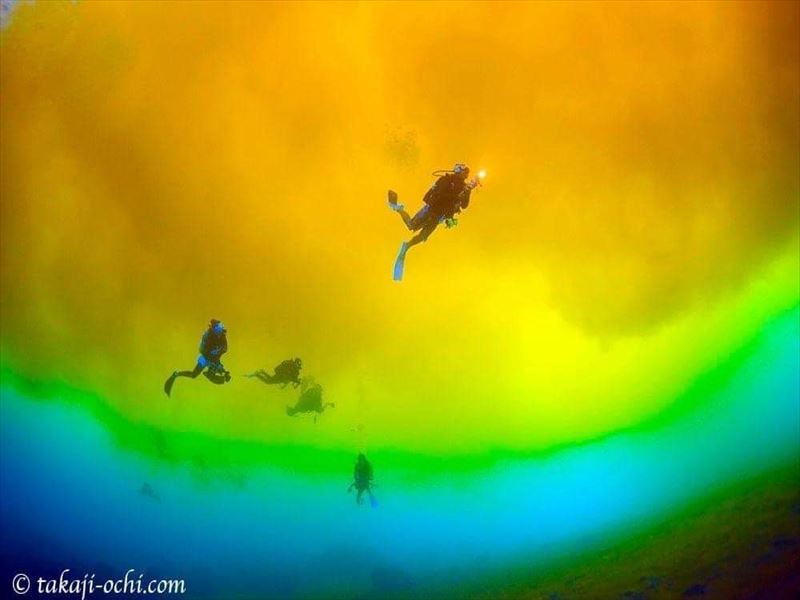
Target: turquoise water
{"points": [[73, 497]]}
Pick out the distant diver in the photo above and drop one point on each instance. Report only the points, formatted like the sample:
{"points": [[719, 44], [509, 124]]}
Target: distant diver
{"points": [[447, 197], [285, 373], [213, 345], [148, 492], [310, 400], [362, 479]]}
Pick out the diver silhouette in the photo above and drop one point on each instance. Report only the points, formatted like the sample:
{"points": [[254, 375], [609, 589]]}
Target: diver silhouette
{"points": [[447, 197], [285, 373], [310, 400], [213, 345], [362, 479]]}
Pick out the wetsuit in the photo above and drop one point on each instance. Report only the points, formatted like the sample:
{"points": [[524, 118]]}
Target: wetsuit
{"points": [[448, 196], [212, 346], [362, 478]]}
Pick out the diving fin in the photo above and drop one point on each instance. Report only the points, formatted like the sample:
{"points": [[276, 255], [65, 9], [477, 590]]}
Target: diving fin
{"points": [[168, 384], [399, 263]]}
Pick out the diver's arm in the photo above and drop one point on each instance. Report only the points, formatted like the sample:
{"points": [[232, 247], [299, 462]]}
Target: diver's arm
{"points": [[464, 197], [203, 342]]}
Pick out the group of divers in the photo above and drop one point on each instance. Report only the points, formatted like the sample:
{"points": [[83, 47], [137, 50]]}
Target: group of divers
{"points": [[448, 196]]}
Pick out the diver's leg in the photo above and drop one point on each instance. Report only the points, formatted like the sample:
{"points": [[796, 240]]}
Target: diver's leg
{"points": [[175, 374], [406, 218], [215, 378], [198, 368], [217, 374], [418, 221], [413, 242], [423, 235], [358, 496], [265, 377], [399, 209]]}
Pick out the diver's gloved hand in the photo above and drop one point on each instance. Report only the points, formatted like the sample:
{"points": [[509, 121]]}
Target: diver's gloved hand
{"points": [[451, 222], [473, 183]]}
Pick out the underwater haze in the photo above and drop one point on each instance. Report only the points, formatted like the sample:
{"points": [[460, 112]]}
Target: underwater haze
{"points": [[589, 388]]}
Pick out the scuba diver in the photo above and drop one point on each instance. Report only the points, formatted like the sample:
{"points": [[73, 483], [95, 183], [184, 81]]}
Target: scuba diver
{"points": [[362, 479], [447, 197], [310, 400], [213, 345], [285, 373], [147, 491]]}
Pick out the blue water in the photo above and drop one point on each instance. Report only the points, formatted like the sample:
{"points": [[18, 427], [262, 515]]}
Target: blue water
{"points": [[71, 498]]}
